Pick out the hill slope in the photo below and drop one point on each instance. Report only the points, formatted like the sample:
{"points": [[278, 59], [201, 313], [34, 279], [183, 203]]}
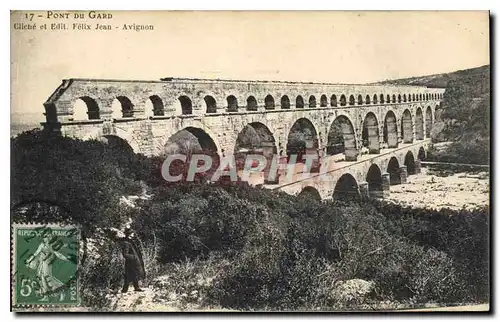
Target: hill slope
{"points": [[442, 80], [464, 114]]}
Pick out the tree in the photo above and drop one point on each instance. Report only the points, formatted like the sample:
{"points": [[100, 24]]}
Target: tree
{"points": [[87, 178]]}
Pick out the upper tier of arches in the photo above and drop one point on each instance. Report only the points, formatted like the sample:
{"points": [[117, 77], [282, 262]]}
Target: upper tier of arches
{"points": [[88, 108]]}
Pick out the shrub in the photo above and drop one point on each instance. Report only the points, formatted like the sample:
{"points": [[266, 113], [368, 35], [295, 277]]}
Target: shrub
{"points": [[462, 235], [101, 272]]}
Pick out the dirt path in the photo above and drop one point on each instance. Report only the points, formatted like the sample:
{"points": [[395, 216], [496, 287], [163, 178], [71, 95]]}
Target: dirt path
{"points": [[465, 308], [155, 300]]}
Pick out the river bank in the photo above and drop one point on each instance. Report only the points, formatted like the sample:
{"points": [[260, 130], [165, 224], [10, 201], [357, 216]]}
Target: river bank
{"points": [[456, 191]]}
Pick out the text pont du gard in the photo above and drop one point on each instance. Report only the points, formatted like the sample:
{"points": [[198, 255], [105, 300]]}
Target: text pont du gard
{"points": [[78, 15]]}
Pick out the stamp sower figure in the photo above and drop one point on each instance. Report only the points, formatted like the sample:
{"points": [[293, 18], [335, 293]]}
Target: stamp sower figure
{"points": [[134, 267], [41, 261]]}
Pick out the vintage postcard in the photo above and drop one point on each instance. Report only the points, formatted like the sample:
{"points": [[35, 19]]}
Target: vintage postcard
{"points": [[248, 161]]}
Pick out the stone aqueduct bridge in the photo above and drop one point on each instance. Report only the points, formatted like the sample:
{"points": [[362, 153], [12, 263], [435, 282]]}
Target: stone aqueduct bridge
{"points": [[384, 121]]}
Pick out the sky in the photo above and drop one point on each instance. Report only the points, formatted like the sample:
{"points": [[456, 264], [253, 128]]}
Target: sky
{"points": [[319, 46]]}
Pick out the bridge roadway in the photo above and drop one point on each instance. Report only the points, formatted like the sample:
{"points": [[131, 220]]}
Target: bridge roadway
{"points": [[371, 175]]}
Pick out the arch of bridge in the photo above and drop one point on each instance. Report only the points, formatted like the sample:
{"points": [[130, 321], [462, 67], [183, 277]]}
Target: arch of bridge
{"points": [[313, 121], [113, 130], [162, 137]]}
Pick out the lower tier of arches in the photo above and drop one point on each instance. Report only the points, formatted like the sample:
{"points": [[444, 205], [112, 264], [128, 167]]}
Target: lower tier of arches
{"points": [[370, 178]]}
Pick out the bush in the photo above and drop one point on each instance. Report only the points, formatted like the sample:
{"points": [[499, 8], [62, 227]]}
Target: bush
{"points": [[203, 220], [297, 273], [102, 272], [462, 235]]}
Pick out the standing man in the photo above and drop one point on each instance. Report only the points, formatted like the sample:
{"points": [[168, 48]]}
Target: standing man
{"points": [[134, 267]]}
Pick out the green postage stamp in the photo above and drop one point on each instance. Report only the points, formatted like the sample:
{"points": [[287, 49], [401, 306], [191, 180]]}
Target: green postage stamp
{"points": [[45, 265]]}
